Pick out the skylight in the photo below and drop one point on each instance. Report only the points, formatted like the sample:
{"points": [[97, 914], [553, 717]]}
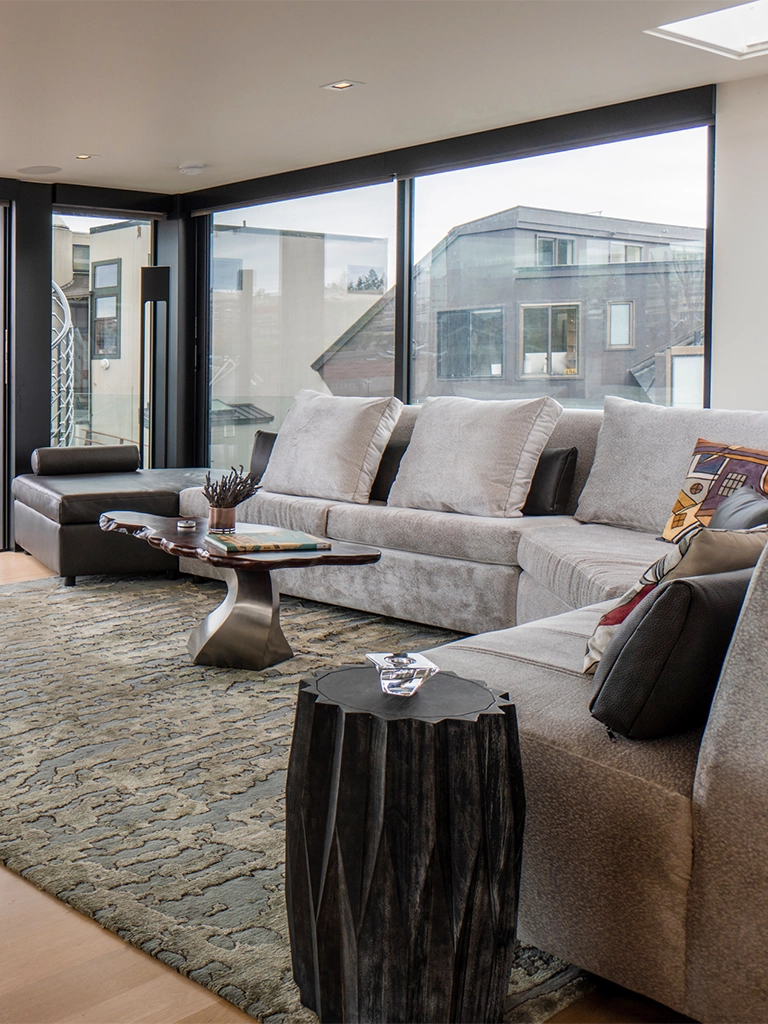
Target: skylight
{"points": [[737, 32]]}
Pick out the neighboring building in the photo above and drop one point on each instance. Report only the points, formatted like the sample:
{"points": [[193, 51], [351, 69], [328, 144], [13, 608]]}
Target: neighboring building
{"points": [[531, 301]]}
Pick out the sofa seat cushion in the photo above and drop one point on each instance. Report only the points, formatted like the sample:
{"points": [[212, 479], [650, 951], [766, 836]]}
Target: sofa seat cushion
{"points": [[82, 497], [607, 851], [492, 540], [287, 511], [595, 563]]}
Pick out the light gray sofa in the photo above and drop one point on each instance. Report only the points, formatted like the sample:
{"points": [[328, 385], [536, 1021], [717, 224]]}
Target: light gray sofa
{"points": [[644, 862]]}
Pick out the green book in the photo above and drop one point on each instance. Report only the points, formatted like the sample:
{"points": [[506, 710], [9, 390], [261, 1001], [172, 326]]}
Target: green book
{"points": [[265, 539]]}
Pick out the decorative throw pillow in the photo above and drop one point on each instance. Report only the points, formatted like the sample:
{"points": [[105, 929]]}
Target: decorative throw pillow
{"points": [[475, 457], [659, 672], [744, 509], [643, 452], [716, 471], [329, 446], [552, 483], [699, 553]]}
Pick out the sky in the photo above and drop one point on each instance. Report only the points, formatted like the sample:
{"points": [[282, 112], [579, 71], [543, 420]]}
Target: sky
{"points": [[661, 178]]}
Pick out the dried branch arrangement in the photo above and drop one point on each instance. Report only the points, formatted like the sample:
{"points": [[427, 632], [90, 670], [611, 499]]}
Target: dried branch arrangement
{"points": [[233, 488]]}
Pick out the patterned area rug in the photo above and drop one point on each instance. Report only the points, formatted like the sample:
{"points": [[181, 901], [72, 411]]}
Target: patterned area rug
{"points": [[147, 792]]}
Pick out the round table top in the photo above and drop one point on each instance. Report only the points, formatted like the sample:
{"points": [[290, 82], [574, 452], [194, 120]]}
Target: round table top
{"points": [[356, 688]]}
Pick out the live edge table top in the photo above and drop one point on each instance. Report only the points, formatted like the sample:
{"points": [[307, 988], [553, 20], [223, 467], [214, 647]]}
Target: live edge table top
{"points": [[162, 532]]}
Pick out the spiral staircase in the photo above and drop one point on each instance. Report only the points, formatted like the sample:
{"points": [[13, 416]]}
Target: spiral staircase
{"points": [[62, 370]]}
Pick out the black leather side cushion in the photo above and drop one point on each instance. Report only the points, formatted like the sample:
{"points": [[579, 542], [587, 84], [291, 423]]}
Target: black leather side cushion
{"points": [[113, 458], [741, 510], [660, 669], [81, 498]]}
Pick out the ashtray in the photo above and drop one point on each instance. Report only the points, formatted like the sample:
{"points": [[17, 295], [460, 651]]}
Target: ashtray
{"points": [[186, 524], [402, 674]]}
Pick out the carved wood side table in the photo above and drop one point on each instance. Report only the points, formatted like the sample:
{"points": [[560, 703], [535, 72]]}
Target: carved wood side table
{"points": [[404, 822]]}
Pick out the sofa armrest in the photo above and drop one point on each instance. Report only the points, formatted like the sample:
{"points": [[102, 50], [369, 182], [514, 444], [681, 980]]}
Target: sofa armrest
{"points": [[728, 907]]}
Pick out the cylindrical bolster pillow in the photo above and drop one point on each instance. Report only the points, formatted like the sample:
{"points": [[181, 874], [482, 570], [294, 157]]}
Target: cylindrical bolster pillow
{"points": [[112, 458]]}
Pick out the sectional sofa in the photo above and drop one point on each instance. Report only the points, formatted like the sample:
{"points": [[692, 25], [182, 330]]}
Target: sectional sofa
{"points": [[644, 862]]}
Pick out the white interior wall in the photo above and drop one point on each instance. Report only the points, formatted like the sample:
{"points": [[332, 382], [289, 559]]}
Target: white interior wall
{"points": [[739, 324]]}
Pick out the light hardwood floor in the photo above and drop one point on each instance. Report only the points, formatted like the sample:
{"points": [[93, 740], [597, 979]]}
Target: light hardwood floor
{"points": [[60, 967]]}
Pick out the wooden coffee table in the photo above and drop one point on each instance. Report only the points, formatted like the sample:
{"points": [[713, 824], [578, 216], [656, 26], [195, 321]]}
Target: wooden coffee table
{"points": [[244, 631]]}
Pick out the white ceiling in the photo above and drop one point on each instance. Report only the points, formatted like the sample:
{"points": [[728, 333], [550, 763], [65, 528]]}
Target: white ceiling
{"points": [[149, 85]]}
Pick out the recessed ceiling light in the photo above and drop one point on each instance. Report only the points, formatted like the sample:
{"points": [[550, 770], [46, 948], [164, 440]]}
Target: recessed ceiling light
{"points": [[85, 156], [345, 83], [737, 32], [192, 168], [38, 169]]}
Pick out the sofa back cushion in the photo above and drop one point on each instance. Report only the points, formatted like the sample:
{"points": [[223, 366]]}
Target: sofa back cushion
{"points": [[474, 457], [643, 455], [330, 446]]}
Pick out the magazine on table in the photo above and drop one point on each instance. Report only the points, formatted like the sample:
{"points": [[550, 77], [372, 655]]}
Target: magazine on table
{"points": [[249, 539]]}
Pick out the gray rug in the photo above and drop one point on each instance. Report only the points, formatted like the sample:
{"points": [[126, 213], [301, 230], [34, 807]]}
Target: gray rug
{"points": [[147, 792]]}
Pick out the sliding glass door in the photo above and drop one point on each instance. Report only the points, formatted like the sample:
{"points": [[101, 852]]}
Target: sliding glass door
{"points": [[96, 329]]}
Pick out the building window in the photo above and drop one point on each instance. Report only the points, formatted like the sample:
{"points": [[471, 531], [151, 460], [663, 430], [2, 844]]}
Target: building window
{"points": [[550, 341], [81, 258], [106, 310], [621, 253], [554, 252], [226, 274], [621, 324], [470, 343]]}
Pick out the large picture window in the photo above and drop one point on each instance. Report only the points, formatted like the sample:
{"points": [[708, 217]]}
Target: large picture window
{"points": [[301, 296], [577, 272], [600, 250]]}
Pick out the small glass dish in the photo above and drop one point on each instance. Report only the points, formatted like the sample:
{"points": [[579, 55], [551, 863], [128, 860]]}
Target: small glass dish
{"points": [[402, 674]]}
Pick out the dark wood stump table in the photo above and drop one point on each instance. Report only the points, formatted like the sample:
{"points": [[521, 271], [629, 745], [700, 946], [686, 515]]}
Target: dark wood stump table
{"points": [[404, 823], [244, 631]]}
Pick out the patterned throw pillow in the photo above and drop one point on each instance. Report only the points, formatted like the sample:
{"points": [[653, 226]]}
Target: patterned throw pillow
{"points": [[700, 552], [717, 470]]}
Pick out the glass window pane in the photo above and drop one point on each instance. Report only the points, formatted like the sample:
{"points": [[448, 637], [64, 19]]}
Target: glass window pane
{"points": [[620, 324], [453, 343], [557, 242], [486, 343], [535, 339], [106, 305], [545, 252], [564, 251], [302, 296], [105, 275], [564, 343]]}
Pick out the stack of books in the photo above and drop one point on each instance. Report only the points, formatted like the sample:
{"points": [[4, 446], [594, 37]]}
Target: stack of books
{"points": [[264, 538]]}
